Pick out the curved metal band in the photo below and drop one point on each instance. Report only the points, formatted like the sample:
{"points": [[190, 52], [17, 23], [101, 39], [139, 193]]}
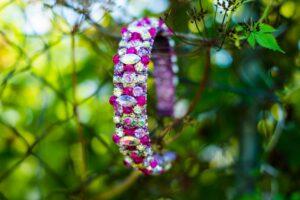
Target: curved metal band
{"points": [[139, 40]]}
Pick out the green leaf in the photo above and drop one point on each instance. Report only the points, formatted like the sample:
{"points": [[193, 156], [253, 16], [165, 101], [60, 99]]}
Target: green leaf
{"points": [[265, 28], [251, 40], [268, 41], [239, 28]]}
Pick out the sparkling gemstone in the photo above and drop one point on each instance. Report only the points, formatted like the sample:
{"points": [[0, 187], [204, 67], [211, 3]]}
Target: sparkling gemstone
{"points": [[117, 91], [134, 43], [169, 156], [117, 79], [116, 138], [149, 151], [141, 78], [117, 119], [145, 60], [119, 132], [126, 100], [152, 32], [131, 50], [128, 121], [127, 91], [142, 122], [119, 67], [135, 36], [123, 30], [153, 163], [143, 51], [139, 67], [137, 109], [129, 68], [146, 44], [129, 131], [129, 141], [140, 147], [137, 91], [127, 110], [122, 51], [112, 100], [122, 43], [116, 58], [139, 133], [145, 140], [128, 77], [136, 158], [130, 58], [141, 100]]}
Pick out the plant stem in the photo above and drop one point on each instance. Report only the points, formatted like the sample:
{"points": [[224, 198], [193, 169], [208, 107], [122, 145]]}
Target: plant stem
{"points": [[75, 107], [266, 11]]}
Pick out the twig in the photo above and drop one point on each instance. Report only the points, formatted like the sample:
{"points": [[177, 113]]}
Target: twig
{"points": [[266, 11], [202, 85], [75, 105], [119, 188]]}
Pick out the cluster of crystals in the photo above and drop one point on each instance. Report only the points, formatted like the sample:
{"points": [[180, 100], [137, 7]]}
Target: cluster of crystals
{"points": [[130, 96]]}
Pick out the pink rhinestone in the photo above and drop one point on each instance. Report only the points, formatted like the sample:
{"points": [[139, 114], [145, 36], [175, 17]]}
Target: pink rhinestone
{"points": [[141, 100], [145, 140], [127, 121], [123, 30], [136, 158], [160, 22], [145, 60], [153, 163], [152, 32], [131, 50], [116, 138], [116, 58], [129, 131], [127, 91], [135, 36], [147, 20], [112, 100], [146, 171], [129, 68], [127, 110]]}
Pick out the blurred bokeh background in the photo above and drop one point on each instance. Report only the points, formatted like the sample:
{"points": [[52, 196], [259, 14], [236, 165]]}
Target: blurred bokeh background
{"points": [[240, 141]]}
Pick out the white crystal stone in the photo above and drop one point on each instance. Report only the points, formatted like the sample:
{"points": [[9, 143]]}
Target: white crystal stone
{"points": [[128, 77], [137, 91], [119, 132], [139, 67], [119, 67], [117, 119], [130, 59], [146, 44], [126, 100], [137, 110], [140, 147], [117, 91], [122, 43], [141, 78], [122, 51]]}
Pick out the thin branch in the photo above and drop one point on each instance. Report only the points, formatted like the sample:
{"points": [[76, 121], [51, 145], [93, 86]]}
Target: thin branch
{"points": [[120, 188], [75, 104]]}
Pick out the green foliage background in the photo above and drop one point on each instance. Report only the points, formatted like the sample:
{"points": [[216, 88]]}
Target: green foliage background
{"points": [[241, 141]]}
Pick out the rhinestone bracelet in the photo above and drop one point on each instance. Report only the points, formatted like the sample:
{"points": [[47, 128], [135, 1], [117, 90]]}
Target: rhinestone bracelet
{"points": [[139, 40]]}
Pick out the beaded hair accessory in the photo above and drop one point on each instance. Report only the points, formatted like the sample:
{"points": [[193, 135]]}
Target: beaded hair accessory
{"points": [[139, 40]]}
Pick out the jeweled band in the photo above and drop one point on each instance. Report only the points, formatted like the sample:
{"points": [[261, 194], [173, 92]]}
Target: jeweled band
{"points": [[139, 40]]}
